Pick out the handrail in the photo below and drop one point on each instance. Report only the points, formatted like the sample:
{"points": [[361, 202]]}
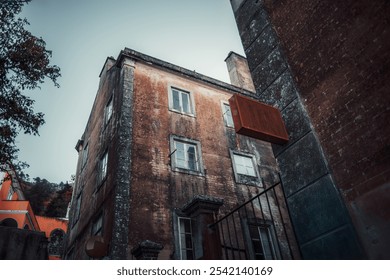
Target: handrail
{"points": [[242, 205]]}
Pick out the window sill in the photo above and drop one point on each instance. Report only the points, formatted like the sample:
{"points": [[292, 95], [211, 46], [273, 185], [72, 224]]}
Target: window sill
{"points": [[188, 172], [192, 115]]}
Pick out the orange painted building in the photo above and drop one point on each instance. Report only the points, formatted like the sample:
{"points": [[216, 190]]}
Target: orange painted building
{"points": [[55, 229], [16, 211]]}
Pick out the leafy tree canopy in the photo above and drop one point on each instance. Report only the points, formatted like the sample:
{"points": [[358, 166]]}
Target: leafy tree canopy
{"points": [[46, 198], [24, 65]]}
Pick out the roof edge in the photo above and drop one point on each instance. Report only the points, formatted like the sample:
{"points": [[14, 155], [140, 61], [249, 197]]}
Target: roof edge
{"points": [[130, 53], [237, 54]]}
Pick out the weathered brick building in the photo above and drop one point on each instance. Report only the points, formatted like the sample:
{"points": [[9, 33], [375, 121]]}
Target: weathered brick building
{"points": [[325, 65], [160, 163]]}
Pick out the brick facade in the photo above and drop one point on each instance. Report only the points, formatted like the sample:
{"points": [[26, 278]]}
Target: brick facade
{"points": [[143, 193]]}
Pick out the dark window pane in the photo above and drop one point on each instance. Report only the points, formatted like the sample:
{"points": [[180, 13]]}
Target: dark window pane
{"points": [[259, 257], [188, 241], [257, 246], [190, 255], [254, 232], [187, 225], [191, 158]]}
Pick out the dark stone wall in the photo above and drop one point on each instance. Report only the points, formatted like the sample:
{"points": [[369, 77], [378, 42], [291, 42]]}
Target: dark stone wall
{"points": [[21, 244], [339, 54], [320, 218]]}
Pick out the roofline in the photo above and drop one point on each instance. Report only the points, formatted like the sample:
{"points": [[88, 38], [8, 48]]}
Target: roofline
{"points": [[135, 55], [105, 62], [138, 56], [232, 52]]}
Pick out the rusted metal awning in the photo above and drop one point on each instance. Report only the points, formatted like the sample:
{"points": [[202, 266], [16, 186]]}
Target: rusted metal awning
{"points": [[257, 120]]}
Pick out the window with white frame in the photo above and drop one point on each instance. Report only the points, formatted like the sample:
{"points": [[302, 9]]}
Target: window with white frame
{"points": [[263, 244], [181, 101], [186, 155], [108, 112], [245, 168], [227, 115], [103, 166], [97, 226], [186, 243], [244, 165]]}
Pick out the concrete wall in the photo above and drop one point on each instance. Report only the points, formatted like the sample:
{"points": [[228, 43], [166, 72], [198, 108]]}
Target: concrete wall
{"points": [[293, 49]]}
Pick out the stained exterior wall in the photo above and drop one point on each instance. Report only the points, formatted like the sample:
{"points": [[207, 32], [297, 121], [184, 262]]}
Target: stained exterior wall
{"points": [[141, 194], [325, 65], [157, 190], [95, 195]]}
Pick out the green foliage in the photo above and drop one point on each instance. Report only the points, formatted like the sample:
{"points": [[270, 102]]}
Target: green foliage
{"points": [[58, 206], [39, 193], [24, 65], [46, 198]]}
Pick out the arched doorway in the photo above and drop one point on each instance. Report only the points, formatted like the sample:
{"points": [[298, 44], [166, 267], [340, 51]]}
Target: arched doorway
{"points": [[9, 222], [56, 242]]}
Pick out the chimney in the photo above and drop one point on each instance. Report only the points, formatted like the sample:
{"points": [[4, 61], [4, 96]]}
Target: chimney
{"points": [[239, 73]]}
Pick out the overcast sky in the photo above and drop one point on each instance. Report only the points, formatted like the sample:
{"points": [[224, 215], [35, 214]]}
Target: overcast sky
{"points": [[194, 34]]}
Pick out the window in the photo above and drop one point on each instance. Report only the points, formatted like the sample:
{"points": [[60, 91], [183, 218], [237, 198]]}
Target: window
{"points": [[244, 165], [262, 242], [186, 239], [56, 242], [84, 155], [245, 169], [185, 155], [181, 101], [103, 166], [97, 226], [108, 112], [77, 209], [227, 115]]}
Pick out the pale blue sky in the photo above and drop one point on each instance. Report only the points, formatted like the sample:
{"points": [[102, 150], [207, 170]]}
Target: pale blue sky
{"points": [[195, 34]]}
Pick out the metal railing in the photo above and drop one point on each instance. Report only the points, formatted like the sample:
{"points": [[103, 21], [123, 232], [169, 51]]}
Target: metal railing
{"points": [[258, 229]]}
